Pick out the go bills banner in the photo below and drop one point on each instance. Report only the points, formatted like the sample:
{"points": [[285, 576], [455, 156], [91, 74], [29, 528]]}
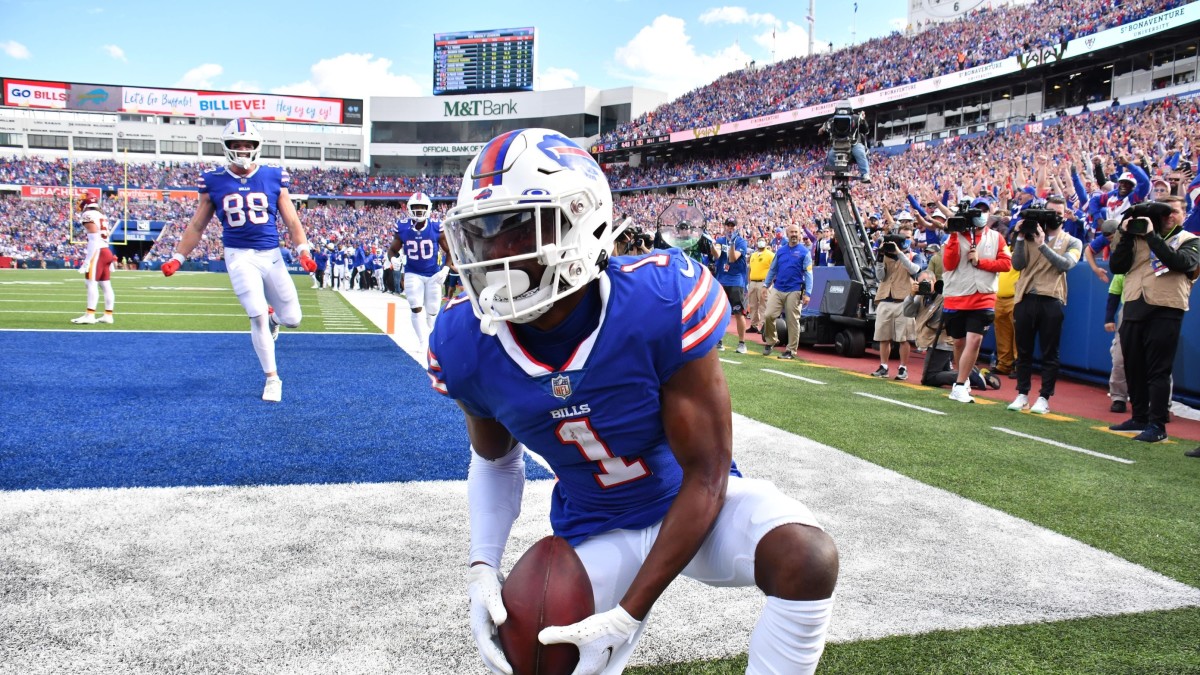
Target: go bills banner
{"points": [[192, 103], [1041, 56]]}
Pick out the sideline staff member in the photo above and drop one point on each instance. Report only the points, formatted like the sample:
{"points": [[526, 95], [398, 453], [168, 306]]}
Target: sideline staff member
{"points": [[1160, 267]]}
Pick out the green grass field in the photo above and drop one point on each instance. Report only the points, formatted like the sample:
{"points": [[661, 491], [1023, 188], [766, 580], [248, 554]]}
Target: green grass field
{"points": [[1144, 511], [149, 301]]}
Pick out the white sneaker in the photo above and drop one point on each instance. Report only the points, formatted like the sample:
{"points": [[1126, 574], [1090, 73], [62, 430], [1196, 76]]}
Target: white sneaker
{"points": [[107, 318], [741, 348], [273, 390], [961, 393], [86, 318], [1019, 403], [1040, 407]]}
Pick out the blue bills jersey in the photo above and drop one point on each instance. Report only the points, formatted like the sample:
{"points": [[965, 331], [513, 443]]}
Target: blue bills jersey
{"points": [[421, 246], [597, 420], [247, 206]]}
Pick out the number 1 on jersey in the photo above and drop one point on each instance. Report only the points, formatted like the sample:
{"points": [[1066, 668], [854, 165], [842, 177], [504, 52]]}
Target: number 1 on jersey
{"points": [[613, 470]]}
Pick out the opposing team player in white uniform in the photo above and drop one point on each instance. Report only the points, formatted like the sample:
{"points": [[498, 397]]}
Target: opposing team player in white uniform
{"points": [[607, 368], [247, 198], [421, 239], [98, 262]]}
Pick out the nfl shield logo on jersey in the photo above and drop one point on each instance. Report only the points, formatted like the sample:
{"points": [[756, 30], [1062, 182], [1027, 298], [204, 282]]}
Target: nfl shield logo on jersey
{"points": [[560, 386]]}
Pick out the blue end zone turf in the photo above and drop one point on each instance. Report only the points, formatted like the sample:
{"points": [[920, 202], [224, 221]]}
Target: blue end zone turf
{"points": [[89, 410]]}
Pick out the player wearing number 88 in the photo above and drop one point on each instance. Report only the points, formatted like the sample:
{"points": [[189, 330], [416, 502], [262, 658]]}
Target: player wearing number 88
{"points": [[247, 199], [606, 367]]}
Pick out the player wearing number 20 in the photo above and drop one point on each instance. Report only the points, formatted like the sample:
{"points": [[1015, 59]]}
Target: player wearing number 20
{"points": [[247, 199], [607, 368], [421, 240]]}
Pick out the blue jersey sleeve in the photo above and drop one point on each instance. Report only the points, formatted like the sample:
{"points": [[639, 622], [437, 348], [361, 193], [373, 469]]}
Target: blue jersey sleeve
{"points": [[457, 378], [703, 314]]}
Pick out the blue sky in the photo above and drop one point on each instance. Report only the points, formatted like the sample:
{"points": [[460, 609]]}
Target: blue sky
{"points": [[356, 49]]}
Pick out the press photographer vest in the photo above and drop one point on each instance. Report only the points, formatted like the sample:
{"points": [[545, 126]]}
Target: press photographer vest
{"points": [[897, 284], [1169, 289], [966, 279], [1039, 275]]}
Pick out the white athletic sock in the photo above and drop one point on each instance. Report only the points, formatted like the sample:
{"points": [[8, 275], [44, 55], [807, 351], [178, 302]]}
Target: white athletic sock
{"points": [[421, 329], [789, 637], [109, 298], [93, 294], [432, 319], [264, 346]]}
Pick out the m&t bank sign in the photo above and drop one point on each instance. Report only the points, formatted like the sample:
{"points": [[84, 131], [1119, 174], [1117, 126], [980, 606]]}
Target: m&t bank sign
{"points": [[479, 108]]}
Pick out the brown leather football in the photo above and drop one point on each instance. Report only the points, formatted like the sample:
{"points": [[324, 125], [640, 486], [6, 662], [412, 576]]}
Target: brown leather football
{"points": [[548, 587]]}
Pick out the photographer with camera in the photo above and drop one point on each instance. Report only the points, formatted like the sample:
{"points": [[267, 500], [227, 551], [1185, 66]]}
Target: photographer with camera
{"points": [[973, 257], [895, 270], [1043, 253], [1159, 260], [847, 131], [729, 257], [924, 306]]}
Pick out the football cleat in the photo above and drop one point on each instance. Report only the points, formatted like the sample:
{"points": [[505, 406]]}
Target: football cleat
{"points": [[273, 390], [272, 323], [107, 318], [86, 318]]}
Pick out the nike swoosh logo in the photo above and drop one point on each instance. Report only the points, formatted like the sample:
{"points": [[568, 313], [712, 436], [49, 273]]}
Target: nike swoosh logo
{"points": [[690, 271]]}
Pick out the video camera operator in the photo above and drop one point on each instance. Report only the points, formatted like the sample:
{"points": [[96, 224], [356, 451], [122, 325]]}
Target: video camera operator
{"points": [[1159, 260], [1043, 253], [973, 257], [895, 270], [848, 128]]}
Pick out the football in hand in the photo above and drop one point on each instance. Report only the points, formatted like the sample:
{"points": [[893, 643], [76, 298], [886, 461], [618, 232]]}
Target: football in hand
{"points": [[549, 586]]}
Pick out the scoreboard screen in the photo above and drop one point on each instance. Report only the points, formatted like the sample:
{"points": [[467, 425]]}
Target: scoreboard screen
{"points": [[481, 61]]}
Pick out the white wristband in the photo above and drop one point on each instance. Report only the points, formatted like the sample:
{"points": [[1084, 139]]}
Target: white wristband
{"points": [[304, 248], [180, 259]]}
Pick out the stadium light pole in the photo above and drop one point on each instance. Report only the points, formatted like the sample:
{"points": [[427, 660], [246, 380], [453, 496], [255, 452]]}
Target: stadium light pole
{"points": [[812, 23]]}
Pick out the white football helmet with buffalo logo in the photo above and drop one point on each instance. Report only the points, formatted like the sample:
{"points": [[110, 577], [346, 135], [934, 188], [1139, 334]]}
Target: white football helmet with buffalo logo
{"points": [[419, 206], [241, 129], [533, 223]]}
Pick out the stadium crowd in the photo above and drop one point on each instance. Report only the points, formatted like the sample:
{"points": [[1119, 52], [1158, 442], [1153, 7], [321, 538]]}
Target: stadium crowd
{"points": [[1000, 163], [984, 36], [184, 175]]}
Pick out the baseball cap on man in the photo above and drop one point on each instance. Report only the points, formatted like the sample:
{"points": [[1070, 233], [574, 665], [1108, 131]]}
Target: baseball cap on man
{"points": [[980, 201]]}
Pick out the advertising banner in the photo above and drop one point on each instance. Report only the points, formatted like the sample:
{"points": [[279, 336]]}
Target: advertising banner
{"points": [[35, 94], [181, 102], [57, 192]]}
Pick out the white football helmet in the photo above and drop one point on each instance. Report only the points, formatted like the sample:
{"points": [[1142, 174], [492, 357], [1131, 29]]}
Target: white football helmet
{"points": [[241, 129], [419, 206], [533, 223]]}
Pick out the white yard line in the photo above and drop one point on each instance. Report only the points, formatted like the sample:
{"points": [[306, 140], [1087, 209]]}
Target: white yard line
{"points": [[893, 401], [1064, 446], [793, 376]]}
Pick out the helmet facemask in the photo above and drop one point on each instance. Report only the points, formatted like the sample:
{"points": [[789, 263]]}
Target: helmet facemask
{"points": [[516, 262], [419, 207]]}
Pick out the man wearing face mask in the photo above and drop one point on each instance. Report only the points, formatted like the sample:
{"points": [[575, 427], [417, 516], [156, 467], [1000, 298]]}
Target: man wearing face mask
{"points": [[973, 258], [760, 264], [1159, 260], [1043, 253], [788, 281], [895, 270]]}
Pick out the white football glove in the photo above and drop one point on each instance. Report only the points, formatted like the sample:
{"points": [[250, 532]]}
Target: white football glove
{"points": [[598, 637], [487, 612], [441, 274]]}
